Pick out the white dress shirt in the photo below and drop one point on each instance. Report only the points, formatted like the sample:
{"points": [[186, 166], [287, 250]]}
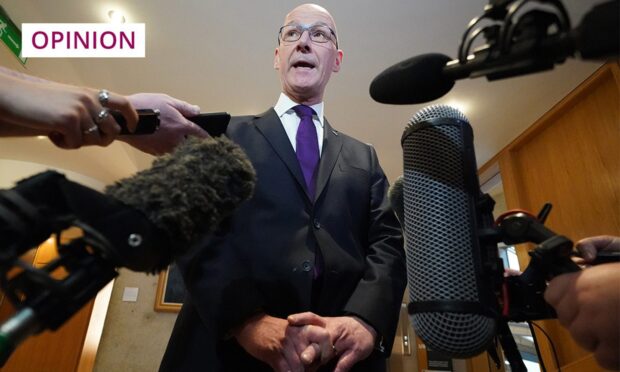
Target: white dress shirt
{"points": [[290, 120]]}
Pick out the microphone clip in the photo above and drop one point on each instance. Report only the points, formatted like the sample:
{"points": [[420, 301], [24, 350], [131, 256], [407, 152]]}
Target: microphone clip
{"points": [[523, 294], [520, 37]]}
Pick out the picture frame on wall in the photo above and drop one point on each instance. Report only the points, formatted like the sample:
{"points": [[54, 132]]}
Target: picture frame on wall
{"points": [[170, 290]]}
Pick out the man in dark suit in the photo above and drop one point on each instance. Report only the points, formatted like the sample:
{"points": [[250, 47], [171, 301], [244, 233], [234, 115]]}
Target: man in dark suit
{"points": [[310, 272]]}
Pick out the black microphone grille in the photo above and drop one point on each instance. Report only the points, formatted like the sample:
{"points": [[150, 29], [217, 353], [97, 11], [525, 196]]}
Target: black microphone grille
{"points": [[440, 230], [437, 111]]}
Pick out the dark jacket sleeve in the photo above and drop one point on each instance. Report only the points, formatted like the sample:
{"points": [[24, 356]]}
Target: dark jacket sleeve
{"points": [[378, 295], [220, 287]]}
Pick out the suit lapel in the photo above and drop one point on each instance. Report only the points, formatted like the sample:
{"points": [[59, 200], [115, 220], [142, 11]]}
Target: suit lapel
{"points": [[332, 144], [270, 126]]}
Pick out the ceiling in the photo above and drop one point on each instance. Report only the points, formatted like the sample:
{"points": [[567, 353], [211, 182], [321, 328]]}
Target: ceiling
{"points": [[219, 55]]}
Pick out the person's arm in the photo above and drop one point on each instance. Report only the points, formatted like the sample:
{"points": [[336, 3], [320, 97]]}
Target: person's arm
{"points": [[377, 298], [174, 126], [21, 76], [9, 128], [588, 302], [225, 296], [64, 113]]}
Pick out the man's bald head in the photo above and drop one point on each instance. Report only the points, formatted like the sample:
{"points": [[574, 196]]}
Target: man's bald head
{"points": [[308, 53], [314, 9]]}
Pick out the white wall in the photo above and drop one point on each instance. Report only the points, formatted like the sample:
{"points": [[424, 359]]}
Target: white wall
{"points": [[12, 171]]}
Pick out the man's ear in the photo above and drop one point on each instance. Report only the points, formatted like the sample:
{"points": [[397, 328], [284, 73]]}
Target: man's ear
{"points": [[338, 61], [276, 59]]}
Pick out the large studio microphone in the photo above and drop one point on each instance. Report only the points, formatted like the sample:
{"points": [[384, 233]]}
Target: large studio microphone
{"points": [[452, 303], [427, 77]]}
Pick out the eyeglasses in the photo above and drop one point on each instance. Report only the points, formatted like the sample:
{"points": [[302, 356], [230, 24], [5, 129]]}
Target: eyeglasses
{"points": [[318, 33]]}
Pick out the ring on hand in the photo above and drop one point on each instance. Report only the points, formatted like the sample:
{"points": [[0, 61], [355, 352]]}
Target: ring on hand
{"points": [[90, 130], [102, 115], [104, 97], [334, 349]]}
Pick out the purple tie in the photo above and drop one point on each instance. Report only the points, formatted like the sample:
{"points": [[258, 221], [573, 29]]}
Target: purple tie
{"points": [[308, 157], [307, 147]]}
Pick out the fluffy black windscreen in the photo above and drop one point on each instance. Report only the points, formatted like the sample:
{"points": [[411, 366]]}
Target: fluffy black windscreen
{"points": [[189, 192]]}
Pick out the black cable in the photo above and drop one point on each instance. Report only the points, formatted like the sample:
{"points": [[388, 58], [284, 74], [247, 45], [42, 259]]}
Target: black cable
{"points": [[555, 354], [540, 361]]}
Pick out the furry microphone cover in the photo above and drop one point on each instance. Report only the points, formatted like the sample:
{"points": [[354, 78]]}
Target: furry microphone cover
{"points": [[189, 192]]}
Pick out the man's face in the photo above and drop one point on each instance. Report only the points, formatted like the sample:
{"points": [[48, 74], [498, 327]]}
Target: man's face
{"points": [[305, 66]]}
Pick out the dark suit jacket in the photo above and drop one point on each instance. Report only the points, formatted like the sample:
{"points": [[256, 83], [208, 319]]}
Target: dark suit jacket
{"points": [[263, 260]]}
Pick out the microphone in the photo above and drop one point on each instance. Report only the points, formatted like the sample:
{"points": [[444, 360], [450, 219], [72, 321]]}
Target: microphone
{"points": [[142, 222], [148, 218], [452, 305], [416, 80], [188, 193], [516, 48]]}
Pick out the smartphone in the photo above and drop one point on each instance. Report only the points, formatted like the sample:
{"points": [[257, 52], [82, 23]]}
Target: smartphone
{"points": [[214, 123], [148, 121]]}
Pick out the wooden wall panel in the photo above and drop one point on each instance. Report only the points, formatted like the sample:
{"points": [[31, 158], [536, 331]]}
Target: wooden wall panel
{"points": [[58, 351], [571, 158]]}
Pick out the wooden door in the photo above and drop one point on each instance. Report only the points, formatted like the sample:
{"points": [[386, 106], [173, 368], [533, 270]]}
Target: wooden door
{"points": [[571, 158], [58, 351]]}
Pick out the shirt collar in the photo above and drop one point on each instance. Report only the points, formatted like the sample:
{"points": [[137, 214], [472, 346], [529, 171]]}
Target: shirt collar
{"points": [[285, 104]]}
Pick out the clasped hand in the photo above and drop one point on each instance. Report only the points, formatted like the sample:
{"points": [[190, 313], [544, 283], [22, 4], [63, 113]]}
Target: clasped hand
{"points": [[306, 341]]}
